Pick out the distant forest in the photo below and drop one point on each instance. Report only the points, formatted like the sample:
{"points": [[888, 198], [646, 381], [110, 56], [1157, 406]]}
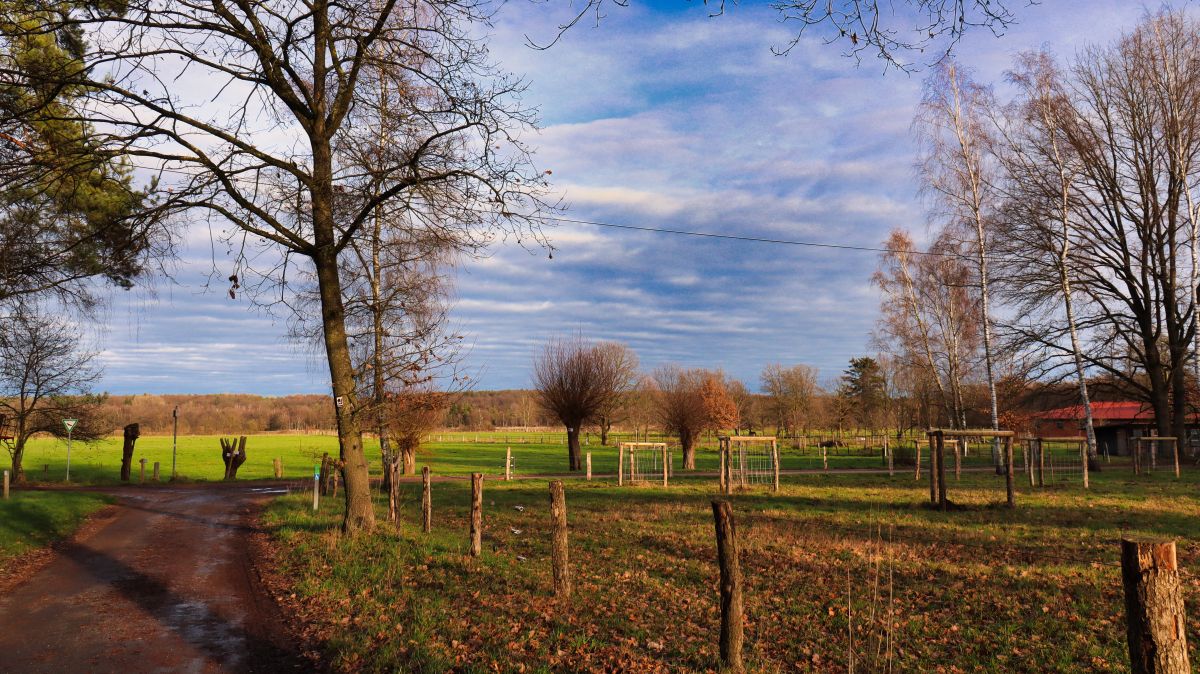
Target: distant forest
{"points": [[214, 414]]}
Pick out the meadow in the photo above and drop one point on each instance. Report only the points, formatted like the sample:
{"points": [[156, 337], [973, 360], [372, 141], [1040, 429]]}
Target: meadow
{"points": [[34, 519], [842, 572], [199, 456]]}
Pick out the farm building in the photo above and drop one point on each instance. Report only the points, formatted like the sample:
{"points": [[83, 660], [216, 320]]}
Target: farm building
{"points": [[1117, 424]]}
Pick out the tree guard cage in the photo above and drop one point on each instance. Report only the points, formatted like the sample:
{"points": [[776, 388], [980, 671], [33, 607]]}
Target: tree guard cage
{"points": [[748, 459], [1056, 459], [937, 462], [642, 462], [1146, 453]]}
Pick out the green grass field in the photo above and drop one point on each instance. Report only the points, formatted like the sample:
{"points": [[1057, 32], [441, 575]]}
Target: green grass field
{"points": [[33, 519], [829, 563], [199, 456]]}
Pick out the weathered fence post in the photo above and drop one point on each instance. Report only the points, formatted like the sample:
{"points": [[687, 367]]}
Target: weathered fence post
{"points": [[933, 476], [943, 502], [1041, 471], [1027, 458], [666, 466], [1154, 614], [426, 501], [278, 464], [958, 454], [721, 473], [731, 587], [620, 465], [155, 478], [507, 464], [6, 485], [589, 466], [824, 457], [1174, 446], [316, 487], [1008, 472], [142, 474], [891, 465], [558, 548], [476, 514], [775, 463], [917, 462]]}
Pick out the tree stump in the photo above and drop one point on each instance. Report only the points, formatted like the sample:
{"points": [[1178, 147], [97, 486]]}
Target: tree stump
{"points": [[131, 435], [233, 453], [1154, 612]]}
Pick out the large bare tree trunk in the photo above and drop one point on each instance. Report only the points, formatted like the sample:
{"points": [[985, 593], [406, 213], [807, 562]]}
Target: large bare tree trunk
{"points": [[131, 435], [688, 442], [574, 452]]}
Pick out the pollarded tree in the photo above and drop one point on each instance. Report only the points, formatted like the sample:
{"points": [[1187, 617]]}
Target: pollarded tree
{"points": [[45, 377], [243, 106], [690, 402], [576, 380]]}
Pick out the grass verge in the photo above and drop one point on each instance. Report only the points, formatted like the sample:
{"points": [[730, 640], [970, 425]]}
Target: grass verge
{"points": [[838, 568]]}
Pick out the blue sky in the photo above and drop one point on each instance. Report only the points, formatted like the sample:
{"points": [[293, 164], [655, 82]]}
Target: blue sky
{"points": [[658, 117]]}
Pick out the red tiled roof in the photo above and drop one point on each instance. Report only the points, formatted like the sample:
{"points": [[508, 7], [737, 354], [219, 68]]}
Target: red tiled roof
{"points": [[1105, 411]]}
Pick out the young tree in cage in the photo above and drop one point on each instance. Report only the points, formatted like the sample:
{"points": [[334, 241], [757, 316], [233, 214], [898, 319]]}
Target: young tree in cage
{"points": [[958, 171], [576, 380], [255, 148], [45, 376]]}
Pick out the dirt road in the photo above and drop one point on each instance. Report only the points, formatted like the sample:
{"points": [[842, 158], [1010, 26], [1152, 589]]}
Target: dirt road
{"points": [[163, 583]]}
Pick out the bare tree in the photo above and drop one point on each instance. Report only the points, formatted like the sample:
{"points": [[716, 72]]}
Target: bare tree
{"points": [[790, 393], [958, 170], [1127, 117], [690, 402], [45, 377], [894, 33], [577, 380], [260, 156], [625, 362]]}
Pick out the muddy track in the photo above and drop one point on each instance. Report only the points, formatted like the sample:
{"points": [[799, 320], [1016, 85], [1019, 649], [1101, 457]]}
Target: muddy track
{"points": [[165, 582]]}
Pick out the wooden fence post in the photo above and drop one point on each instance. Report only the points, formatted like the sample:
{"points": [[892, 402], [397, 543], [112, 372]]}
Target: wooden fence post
{"points": [[278, 468], [731, 587], [891, 465], [721, 470], [558, 548], [958, 454], [507, 464], [1027, 458], [6, 485], [142, 474], [1041, 471], [476, 514], [933, 476], [775, 463], [155, 471], [1154, 614], [665, 465], [943, 502], [1008, 472], [917, 462], [316, 488], [1174, 446], [824, 458], [620, 465], [589, 466], [426, 501]]}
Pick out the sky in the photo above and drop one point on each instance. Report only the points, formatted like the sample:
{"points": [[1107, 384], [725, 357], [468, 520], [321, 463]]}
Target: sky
{"points": [[659, 116]]}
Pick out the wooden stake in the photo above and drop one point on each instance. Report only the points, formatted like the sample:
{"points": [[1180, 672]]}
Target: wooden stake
{"points": [[721, 448], [476, 514], [775, 464], [665, 465], [890, 462], [620, 465], [731, 587], [507, 464], [558, 548], [1041, 471], [943, 502], [1154, 614], [155, 478], [142, 474], [1174, 447], [589, 466], [917, 463], [1027, 458], [958, 454], [426, 501], [6, 485], [316, 488], [1008, 472], [933, 476]]}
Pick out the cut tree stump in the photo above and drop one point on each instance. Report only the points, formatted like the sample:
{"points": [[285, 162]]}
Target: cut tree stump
{"points": [[131, 436], [1154, 614], [233, 453]]}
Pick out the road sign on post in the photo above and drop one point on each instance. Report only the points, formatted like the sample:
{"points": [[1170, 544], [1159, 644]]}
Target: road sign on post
{"points": [[69, 424]]}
